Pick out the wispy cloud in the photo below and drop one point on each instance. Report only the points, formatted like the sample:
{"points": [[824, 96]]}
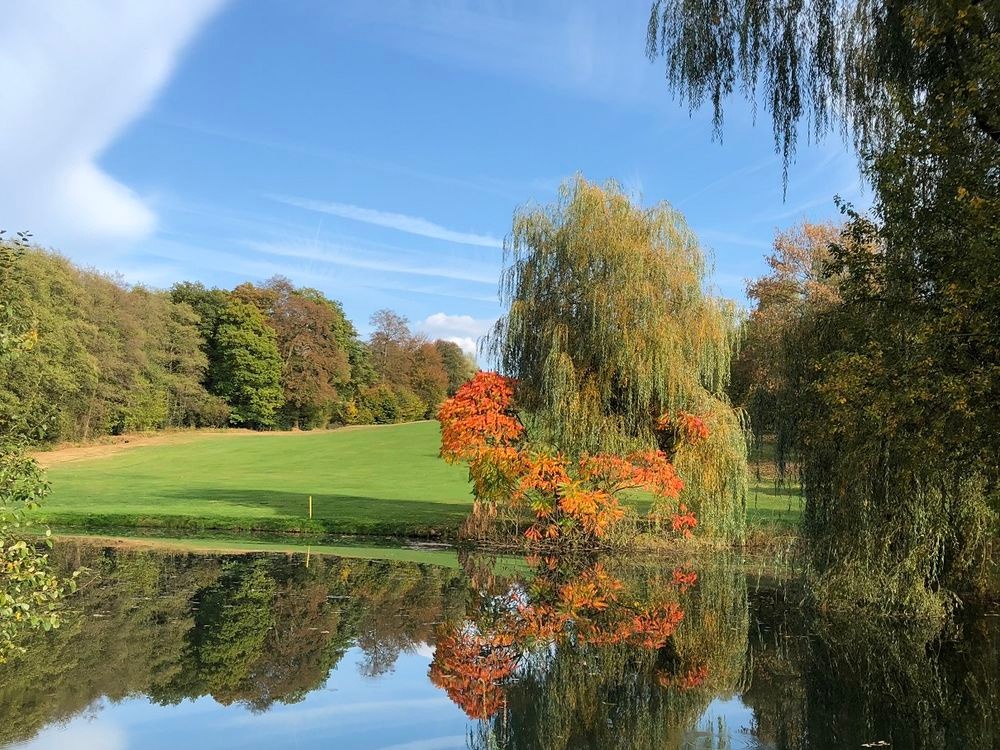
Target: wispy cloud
{"points": [[299, 717], [744, 171], [508, 189], [400, 222], [716, 236], [353, 257], [57, 58]]}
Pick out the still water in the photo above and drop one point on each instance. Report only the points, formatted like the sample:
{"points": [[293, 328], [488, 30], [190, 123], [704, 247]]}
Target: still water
{"points": [[183, 650]]}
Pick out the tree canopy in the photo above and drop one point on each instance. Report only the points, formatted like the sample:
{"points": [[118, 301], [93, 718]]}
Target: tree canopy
{"points": [[110, 358]]}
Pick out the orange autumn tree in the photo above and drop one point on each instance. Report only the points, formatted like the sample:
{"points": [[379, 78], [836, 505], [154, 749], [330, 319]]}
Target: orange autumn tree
{"points": [[572, 500]]}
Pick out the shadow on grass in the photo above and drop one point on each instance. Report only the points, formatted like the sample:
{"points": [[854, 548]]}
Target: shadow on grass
{"points": [[332, 513]]}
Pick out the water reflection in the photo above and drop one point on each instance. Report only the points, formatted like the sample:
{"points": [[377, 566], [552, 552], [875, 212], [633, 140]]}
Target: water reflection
{"points": [[230, 650]]}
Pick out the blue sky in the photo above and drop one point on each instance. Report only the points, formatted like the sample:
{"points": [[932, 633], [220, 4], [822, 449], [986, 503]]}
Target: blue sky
{"points": [[374, 150]]}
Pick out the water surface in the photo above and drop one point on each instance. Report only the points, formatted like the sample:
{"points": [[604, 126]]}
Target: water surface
{"points": [[197, 650]]}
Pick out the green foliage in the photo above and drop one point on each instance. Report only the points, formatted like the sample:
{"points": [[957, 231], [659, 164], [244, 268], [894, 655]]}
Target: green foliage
{"points": [[854, 67], [107, 358], [893, 391], [254, 630], [29, 592], [247, 373], [313, 337], [459, 366], [409, 366], [608, 327]]}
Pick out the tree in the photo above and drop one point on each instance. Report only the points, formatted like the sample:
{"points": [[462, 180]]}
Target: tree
{"points": [[429, 378], [864, 68], [29, 591], [608, 329], [893, 409], [459, 365], [310, 339], [391, 346], [797, 285], [248, 367], [574, 501]]}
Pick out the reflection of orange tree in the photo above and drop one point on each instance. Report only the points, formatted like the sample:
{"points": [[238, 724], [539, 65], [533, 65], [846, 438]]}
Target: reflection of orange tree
{"points": [[476, 659], [629, 653], [472, 668], [571, 498]]}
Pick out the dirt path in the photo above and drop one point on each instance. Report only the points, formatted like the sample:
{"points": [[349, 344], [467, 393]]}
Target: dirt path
{"points": [[111, 446]]}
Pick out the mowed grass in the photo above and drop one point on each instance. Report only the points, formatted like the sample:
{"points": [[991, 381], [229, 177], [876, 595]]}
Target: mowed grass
{"points": [[363, 480], [380, 481]]}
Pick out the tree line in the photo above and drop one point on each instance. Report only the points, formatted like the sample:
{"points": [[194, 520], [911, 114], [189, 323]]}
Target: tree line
{"points": [[109, 358]]}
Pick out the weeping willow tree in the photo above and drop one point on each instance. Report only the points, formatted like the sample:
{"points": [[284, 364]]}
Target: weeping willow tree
{"points": [[608, 327], [895, 388]]}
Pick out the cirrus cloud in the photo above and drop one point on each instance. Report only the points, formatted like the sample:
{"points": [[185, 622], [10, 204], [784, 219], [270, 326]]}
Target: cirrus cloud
{"points": [[400, 222]]}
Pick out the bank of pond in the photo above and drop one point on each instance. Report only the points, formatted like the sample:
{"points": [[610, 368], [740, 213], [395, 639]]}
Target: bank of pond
{"points": [[436, 648]]}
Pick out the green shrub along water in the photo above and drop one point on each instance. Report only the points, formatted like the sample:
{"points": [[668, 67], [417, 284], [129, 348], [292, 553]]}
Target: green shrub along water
{"points": [[111, 358]]}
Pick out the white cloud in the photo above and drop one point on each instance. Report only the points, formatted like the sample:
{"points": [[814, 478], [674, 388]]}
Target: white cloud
{"points": [[73, 76], [399, 222], [463, 330]]}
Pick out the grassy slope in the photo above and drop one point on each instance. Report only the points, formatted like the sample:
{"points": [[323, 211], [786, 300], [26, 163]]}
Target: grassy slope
{"points": [[368, 480], [374, 480]]}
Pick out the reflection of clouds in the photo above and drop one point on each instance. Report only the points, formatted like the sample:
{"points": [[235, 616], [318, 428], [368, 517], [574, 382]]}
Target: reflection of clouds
{"points": [[300, 717], [80, 733], [425, 650], [453, 742]]}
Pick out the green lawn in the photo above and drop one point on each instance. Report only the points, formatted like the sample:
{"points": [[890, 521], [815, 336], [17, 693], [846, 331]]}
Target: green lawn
{"points": [[385, 480], [364, 480]]}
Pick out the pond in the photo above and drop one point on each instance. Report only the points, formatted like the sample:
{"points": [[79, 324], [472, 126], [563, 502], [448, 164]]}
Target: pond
{"points": [[265, 650]]}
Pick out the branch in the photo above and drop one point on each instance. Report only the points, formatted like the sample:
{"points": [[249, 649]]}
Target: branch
{"points": [[992, 131]]}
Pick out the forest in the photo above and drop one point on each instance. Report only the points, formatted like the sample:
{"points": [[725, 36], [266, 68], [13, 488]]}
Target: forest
{"points": [[108, 358]]}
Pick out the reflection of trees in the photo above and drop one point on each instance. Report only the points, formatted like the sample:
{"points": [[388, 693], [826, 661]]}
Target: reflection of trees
{"points": [[552, 654], [855, 681], [593, 655], [250, 629]]}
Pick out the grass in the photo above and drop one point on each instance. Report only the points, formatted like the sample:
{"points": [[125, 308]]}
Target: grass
{"points": [[376, 481]]}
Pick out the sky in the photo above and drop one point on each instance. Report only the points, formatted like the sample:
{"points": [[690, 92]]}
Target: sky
{"points": [[374, 150]]}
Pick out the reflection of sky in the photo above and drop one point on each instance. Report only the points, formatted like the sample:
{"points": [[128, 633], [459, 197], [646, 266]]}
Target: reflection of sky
{"points": [[726, 723], [400, 710], [397, 711]]}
